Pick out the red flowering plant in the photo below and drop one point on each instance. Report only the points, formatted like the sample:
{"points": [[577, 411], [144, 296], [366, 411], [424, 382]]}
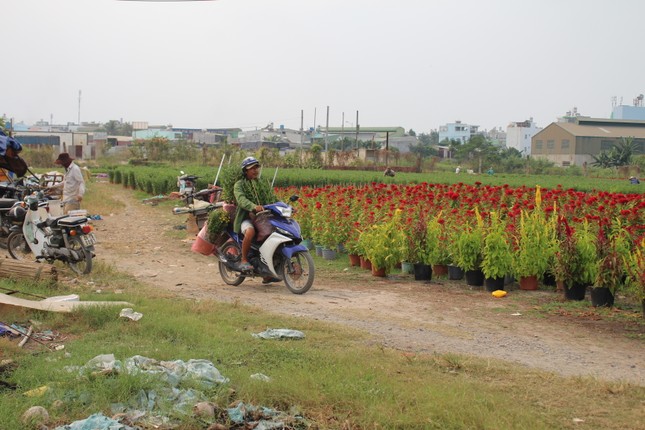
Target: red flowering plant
{"points": [[575, 257], [612, 247], [635, 266]]}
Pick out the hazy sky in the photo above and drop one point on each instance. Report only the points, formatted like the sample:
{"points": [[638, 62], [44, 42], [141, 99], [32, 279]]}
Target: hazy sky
{"points": [[245, 63]]}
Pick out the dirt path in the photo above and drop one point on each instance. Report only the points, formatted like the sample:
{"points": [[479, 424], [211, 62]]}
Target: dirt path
{"points": [[400, 313]]}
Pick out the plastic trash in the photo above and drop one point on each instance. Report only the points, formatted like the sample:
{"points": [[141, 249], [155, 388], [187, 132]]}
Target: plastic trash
{"points": [[260, 377], [131, 314], [95, 422], [280, 333], [498, 294]]}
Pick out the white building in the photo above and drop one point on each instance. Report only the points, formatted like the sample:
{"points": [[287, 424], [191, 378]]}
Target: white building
{"points": [[457, 131], [519, 134]]}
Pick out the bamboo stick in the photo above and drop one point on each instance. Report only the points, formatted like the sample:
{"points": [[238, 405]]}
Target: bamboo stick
{"points": [[27, 270]]}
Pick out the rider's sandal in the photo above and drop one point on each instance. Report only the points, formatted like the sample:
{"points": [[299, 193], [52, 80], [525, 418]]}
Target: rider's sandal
{"points": [[245, 267]]}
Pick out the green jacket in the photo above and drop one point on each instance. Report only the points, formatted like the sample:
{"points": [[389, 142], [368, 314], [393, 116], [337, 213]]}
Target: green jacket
{"points": [[244, 204]]}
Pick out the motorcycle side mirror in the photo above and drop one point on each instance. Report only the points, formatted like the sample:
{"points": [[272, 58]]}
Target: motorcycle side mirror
{"points": [[294, 198]]}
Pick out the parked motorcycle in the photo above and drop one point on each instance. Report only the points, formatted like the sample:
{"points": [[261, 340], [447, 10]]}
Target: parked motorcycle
{"points": [[5, 221], [65, 238], [279, 256], [186, 184]]}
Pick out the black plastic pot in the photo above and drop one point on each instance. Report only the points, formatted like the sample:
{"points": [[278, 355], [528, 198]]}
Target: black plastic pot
{"points": [[576, 292], [455, 273], [602, 296], [494, 284], [422, 272], [474, 278]]}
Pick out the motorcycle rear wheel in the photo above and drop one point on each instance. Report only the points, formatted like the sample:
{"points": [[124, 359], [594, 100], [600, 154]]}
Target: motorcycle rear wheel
{"points": [[18, 247], [232, 254], [299, 272], [84, 265]]}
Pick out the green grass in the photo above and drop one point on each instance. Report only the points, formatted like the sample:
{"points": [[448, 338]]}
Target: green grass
{"points": [[335, 377]]}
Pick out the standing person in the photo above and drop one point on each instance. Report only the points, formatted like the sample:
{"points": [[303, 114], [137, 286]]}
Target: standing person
{"points": [[250, 195], [73, 184], [458, 169]]}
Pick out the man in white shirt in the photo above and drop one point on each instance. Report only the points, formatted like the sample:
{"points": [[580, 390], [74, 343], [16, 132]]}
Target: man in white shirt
{"points": [[73, 184]]}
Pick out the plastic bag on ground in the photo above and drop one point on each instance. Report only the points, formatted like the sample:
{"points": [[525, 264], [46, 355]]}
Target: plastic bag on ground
{"points": [[280, 333]]}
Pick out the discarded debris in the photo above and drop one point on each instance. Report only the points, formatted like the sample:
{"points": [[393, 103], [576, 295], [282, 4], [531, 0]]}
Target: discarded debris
{"points": [[55, 304], [131, 314], [95, 422], [280, 333], [260, 377]]}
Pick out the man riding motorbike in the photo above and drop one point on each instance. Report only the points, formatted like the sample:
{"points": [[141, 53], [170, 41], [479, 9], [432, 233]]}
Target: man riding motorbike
{"points": [[250, 194]]}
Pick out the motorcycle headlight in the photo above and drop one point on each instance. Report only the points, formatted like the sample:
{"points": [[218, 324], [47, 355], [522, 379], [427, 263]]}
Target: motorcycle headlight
{"points": [[283, 232], [285, 212]]}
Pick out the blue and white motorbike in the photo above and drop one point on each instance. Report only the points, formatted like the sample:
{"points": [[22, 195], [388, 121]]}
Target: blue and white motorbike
{"points": [[279, 256]]}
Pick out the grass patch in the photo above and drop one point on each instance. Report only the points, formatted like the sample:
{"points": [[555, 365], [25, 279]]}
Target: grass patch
{"points": [[334, 377]]}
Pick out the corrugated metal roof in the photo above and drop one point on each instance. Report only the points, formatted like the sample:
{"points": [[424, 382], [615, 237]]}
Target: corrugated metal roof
{"points": [[604, 130]]}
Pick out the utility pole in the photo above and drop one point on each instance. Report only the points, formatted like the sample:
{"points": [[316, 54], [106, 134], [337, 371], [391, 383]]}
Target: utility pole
{"points": [[357, 127], [342, 133], [79, 107], [327, 129], [302, 136]]}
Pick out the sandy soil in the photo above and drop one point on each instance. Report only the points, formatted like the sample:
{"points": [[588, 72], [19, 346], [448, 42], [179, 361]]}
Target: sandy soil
{"points": [[422, 317]]}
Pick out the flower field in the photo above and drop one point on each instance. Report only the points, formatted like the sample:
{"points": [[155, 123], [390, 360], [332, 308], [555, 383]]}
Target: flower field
{"points": [[526, 216]]}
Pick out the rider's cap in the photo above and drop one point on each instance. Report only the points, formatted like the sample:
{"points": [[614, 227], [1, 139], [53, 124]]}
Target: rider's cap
{"points": [[249, 162]]}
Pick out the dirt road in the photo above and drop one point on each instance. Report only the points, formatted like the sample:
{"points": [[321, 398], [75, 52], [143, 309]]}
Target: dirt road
{"points": [[440, 316]]}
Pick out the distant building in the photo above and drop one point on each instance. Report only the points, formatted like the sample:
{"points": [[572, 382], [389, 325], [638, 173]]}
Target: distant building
{"points": [[635, 112], [519, 135], [457, 131], [574, 143], [78, 145]]}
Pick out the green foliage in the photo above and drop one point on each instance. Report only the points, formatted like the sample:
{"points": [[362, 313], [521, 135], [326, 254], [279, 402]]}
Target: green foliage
{"points": [[619, 155], [228, 177], [385, 244], [218, 220], [469, 247], [498, 256], [436, 242], [319, 178]]}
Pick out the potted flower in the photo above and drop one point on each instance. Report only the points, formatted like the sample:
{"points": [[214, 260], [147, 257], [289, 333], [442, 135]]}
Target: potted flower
{"points": [[468, 251], [612, 246], [497, 259], [575, 264], [535, 247], [384, 244], [436, 252], [635, 265]]}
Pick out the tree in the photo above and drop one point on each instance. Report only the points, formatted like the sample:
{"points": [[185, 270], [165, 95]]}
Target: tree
{"points": [[421, 150], [117, 128], [620, 155], [412, 133]]}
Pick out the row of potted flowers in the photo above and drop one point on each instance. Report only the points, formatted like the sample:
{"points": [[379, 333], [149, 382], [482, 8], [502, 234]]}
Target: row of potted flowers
{"points": [[582, 238]]}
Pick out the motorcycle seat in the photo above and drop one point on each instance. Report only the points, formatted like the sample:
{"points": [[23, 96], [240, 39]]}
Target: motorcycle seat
{"points": [[6, 203], [48, 222], [71, 221]]}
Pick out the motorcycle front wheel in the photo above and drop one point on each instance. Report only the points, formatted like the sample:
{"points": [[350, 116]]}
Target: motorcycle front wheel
{"points": [[298, 272], [18, 247], [232, 253], [83, 265]]}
